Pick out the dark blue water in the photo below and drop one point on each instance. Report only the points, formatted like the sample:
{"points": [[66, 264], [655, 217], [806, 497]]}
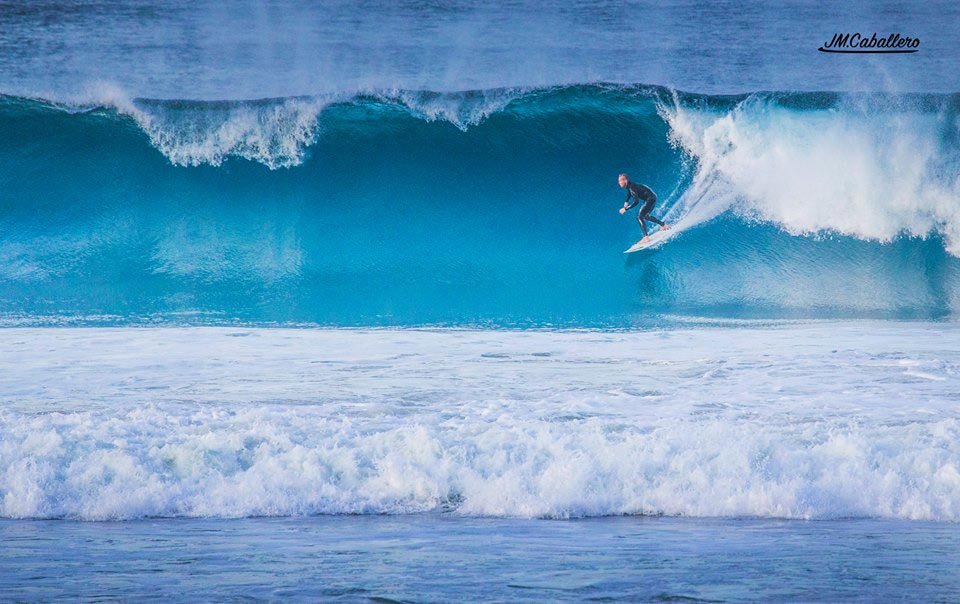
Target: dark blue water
{"points": [[440, 558], [249, 49]]}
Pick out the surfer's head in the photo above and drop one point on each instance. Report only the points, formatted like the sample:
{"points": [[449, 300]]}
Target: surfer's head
{"points": [[622, 180]]}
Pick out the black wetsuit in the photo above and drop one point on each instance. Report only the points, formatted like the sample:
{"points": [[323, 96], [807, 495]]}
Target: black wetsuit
{"points": [[638, 192]]}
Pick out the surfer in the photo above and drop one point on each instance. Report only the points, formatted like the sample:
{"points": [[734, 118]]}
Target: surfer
{"points": [[638, 192]]}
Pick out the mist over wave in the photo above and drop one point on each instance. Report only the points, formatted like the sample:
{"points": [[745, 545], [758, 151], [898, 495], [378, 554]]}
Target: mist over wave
{"points": [[203, 49], [480, 207]]}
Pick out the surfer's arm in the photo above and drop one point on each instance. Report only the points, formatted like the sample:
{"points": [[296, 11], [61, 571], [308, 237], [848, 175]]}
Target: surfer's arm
{"points": [[627, 205]]}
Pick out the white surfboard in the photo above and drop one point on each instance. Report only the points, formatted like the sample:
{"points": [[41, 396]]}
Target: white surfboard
{"points": [[655, 240]]}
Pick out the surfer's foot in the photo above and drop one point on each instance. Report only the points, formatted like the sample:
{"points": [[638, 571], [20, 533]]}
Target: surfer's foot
{"points": [[665, 227], [645, 239]]}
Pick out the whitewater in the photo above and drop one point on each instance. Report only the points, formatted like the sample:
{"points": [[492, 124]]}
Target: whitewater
{"points": [[725, 421]]}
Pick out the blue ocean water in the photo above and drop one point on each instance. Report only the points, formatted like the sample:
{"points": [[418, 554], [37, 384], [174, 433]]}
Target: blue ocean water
{"points": [[292, 277], [437, 559]]}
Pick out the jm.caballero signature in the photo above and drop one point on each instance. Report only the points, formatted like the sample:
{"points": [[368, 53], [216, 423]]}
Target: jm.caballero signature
{"points": [[857, 43]]}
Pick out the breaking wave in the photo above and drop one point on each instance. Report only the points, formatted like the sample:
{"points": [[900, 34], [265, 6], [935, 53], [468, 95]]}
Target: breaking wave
{"points": [[482, 207]]}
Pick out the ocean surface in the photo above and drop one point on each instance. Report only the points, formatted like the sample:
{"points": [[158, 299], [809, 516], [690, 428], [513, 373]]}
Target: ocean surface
{"points": [[328, 301], [428, 558]]}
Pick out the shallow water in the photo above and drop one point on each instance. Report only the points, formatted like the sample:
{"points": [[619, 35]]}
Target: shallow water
{"points": [[436, 558]]}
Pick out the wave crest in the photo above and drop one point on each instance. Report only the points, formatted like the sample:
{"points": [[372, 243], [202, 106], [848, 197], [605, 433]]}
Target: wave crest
{"points": [[866, 167], [273, 132]]}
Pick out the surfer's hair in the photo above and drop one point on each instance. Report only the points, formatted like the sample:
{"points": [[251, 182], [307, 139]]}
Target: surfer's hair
{"points": [[623, 175]]}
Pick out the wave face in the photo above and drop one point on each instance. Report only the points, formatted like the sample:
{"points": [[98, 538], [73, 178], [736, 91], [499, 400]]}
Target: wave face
{"points": [[493, 207], [226, 422]]}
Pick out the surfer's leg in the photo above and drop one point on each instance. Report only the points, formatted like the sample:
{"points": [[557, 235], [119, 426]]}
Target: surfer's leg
{"points": [[643, 225], [645, 214]]}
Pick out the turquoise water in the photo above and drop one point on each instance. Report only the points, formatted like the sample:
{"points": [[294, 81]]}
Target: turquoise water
{"points": [[493, 208]]}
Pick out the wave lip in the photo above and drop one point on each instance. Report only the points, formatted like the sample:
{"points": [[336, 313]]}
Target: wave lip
{"points": [[274, 132], [274, 135], [872, 168]]}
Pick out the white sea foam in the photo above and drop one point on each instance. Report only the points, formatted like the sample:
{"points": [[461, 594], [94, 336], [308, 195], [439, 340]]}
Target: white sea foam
{"points": [[274, 132], [460, 109], [869, 168], [801, 420]]}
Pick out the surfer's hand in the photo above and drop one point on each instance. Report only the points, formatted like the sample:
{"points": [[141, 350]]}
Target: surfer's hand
{"points": [[623, 210]]}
